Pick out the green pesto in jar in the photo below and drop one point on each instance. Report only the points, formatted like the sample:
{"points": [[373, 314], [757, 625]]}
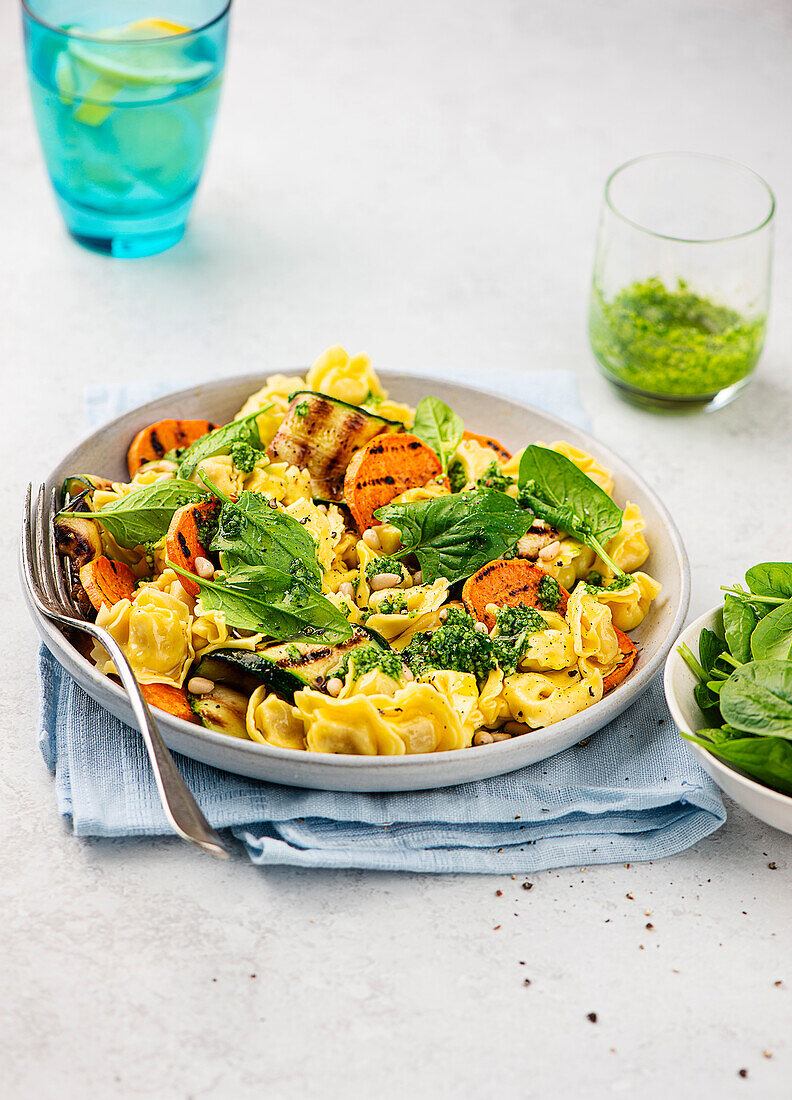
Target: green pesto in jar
{"points": [[672, 341]]}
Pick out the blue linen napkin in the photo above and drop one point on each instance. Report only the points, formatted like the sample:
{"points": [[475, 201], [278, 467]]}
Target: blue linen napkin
{"points": [[630, 793]]}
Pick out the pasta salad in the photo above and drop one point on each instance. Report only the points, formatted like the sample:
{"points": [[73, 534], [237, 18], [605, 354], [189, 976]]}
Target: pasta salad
{"points": [[333, 571]]}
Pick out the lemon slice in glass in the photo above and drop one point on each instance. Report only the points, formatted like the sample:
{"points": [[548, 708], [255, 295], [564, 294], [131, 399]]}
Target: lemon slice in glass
{"points": [[145, 63], [114, 69]]}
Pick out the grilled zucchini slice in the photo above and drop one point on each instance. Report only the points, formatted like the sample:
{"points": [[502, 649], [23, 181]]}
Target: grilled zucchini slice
{"points": [[78, 542], [223, 710], [283, 668], [320, 434]]}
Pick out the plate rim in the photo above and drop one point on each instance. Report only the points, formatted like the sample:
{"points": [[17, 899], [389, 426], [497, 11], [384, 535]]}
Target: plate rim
{"points": [[625, 693]]}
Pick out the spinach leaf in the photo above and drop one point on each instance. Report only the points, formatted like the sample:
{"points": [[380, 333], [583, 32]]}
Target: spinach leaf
{"points": [[438, 426], [558, 492], [772, 638], [453, 536], [739, 621], [710, 648], [757, 698], [271, 603], [143, 516], [705, 697], [221, 440], [252, 532], [770, 578], [294, 594], [687, 656], [766, 759]]}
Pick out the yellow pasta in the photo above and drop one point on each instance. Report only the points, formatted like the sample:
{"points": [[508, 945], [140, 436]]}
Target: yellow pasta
{"points": [[629, 549], [629, 606], [273, 400], [595, 642], [273, 721], [388, 690], [540, 699], [352, 380]]}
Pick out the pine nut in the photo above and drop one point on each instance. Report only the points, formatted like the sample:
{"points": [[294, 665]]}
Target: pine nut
{"points": [[407, 673], [204, 568], [334, 685], [547, 553], [384, 580], [322, 508], [418, 577], [443, 615], [371, 539], [346, 588], [499, 736], [481, 628], [482, 737], [199, 685]]}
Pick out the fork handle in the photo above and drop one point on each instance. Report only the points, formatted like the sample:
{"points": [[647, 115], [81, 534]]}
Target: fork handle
{"points": [[180, 807]]}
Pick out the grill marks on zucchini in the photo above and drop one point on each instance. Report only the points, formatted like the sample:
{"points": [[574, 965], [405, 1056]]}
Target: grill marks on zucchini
{"points": [[78, 543], [321, 434], [284, 668], [223, 710]]}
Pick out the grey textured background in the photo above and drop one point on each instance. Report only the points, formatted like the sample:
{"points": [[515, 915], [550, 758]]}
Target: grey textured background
{"points": [[422, 181]]}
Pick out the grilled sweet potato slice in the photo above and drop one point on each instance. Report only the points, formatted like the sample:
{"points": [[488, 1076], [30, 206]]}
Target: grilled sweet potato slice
{"points": [[384, 468], [629, 652], [157, 439], [488, 441], [183, 542], [168, 698], [107, 582], [506, 583]]}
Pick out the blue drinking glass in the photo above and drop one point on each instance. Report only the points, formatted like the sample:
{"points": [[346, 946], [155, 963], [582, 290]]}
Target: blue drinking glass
{"points": [[125, 94]]}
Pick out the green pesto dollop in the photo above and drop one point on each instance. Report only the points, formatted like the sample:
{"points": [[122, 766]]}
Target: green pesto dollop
{"points": [[672, 341], [371, 657]]}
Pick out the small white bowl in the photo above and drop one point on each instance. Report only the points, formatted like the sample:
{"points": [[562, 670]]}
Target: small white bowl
{"points": [[769, 806]]}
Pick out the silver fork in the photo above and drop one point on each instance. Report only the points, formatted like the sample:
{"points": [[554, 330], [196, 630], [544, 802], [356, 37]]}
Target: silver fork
{"points": [[46, 586]]}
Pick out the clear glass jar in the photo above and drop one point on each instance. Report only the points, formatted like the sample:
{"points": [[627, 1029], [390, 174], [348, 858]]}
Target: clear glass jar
{"points": [[681, 285]]}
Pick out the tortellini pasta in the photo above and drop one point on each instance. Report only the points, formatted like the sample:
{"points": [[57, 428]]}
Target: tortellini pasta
{"points": [[538, 699], [154, 632], [551, 648], [273, 400], [395, 610], [349, 379], [279, 480], [398, 703], [222, 473], [272, 720], [572, 562], [629, 549], [474, 460], [629, 606], [594, 639]]}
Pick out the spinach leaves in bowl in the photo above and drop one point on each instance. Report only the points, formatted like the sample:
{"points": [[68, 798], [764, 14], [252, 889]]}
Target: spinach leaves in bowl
{"points": [[744, 673]]}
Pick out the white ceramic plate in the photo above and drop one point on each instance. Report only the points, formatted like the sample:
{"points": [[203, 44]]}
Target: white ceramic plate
{"points": [[769, 806], [514, 424]]}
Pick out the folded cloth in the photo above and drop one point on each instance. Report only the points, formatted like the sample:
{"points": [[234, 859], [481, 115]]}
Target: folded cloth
{"points": [[631, 792]]}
